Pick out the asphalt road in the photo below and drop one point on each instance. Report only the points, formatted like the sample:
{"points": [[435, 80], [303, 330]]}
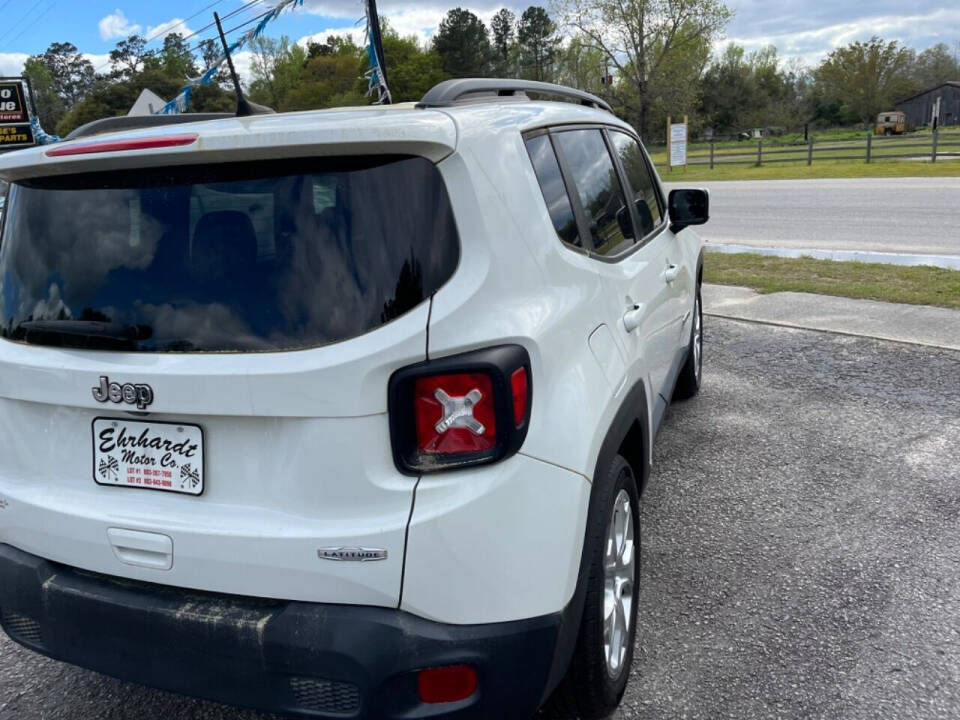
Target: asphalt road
{"points": [[902, 215], [800, 547]]}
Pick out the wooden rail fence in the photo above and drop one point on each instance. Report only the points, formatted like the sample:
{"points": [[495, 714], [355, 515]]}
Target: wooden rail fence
{"points": [[870, 149]]}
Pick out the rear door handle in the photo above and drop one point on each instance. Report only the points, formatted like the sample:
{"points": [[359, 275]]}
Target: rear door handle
{"points": [[670, 274], [143, 549], [633, 316]]}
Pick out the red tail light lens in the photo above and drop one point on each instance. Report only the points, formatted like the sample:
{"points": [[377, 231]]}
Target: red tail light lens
{"points": [[518, 385], [140, 143], [446, 684], [460, 410], [454, 413]]}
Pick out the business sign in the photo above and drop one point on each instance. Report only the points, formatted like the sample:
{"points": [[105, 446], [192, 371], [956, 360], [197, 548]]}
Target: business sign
{"points": [[15, 129], [678, 144], [14, 136], [13, 102]]}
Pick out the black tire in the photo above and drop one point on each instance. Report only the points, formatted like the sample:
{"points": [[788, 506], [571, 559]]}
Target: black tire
{"points": [[688, 382], [589, 689]]}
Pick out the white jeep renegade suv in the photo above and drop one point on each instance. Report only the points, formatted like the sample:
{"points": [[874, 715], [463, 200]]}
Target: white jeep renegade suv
{"points": [[342, 413]]}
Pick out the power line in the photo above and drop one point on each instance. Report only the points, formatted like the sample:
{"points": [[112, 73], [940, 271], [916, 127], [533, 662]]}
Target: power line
{"points": [[190, 51], [34, 21], [22, 18], [167, 31]]}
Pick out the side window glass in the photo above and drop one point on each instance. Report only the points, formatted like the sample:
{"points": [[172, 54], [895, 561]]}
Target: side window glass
{"points": [[641, 183], [554, 191], [591, 166]]}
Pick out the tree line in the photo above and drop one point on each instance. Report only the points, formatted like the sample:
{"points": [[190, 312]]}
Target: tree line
{"points": [[649, 58]]}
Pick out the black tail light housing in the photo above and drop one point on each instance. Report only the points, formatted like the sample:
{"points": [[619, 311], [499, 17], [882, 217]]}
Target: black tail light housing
{"points": [[461, 410]]}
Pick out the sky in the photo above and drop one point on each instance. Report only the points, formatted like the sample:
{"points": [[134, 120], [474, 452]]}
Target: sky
{"points": [[805, 30]]}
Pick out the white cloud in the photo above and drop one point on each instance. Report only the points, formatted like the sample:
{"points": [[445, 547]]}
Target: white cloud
{"points": [[116, 25], [160, 31], [420, 21], [98, 61], [11, 64], [811, 46], [242, 61]]}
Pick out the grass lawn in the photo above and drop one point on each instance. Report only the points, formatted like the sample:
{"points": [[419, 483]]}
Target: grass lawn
{"points": [[917, 285], [822, 169]]}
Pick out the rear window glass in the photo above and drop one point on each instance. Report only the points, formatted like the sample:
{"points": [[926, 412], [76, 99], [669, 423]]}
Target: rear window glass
{"points": [[235, 257]]}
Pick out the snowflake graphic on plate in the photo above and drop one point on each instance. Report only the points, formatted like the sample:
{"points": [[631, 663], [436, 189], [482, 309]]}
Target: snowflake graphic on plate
{"points": [[109, 468], [189, 476]]}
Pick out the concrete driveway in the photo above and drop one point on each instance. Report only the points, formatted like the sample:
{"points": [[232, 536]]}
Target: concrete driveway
{"points": [[897, 215], [800, 546]]}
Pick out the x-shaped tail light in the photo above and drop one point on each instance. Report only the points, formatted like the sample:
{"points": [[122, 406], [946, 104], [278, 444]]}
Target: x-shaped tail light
{"points": [[458, 411]]}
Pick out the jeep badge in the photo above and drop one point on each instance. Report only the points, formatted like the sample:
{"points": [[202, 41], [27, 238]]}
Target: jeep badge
{"points": [[139, 394]]}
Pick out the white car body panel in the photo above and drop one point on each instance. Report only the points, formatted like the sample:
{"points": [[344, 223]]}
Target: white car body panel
{"points": [[495, 543], [303, 436]]}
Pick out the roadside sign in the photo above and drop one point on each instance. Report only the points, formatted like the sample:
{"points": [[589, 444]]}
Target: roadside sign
{"points": [[13, 103], [15, 129], [678, 144], [14, 136]]}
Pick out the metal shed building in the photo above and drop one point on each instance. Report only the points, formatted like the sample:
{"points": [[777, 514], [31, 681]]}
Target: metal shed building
{"points": [[919, 107]]}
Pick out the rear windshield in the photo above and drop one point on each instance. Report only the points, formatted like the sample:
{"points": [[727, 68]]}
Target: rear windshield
{"points": [[233, 257]]}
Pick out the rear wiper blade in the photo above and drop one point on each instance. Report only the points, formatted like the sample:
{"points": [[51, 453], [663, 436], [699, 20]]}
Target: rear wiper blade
{"points": [[89, 328]]}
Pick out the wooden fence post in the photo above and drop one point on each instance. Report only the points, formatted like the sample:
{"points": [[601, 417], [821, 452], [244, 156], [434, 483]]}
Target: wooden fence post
{"points": [[711, 154], [759, 152], [810, 151], [869, 144], [933, 148]]}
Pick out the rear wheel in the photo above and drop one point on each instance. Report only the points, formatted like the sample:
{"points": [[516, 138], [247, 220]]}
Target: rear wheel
{"points": [[688, 383], [598, 673]]}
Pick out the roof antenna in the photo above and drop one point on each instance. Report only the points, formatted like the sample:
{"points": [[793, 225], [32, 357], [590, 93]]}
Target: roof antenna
{"points": [[244, 106]]}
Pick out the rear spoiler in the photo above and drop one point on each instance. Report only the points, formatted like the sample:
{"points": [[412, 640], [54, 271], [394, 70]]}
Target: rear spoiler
{"points": [[367, 131]]}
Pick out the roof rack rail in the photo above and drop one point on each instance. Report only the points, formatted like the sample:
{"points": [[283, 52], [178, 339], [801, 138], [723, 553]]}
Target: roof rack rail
{"points": [[451, 91]]}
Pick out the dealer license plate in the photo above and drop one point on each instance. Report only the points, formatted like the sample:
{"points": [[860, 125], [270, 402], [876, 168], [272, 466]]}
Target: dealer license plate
{"points": [[152, 455]]}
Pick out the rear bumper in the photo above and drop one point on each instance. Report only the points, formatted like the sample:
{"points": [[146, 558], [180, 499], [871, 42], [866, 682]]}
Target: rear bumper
{"points": [[305, 659]]}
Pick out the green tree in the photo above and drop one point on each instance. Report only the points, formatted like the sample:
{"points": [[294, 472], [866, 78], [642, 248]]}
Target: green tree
{"points": [[641, 37], [462, 43], [50, 107], [934, 66], [539, 43], [866, 77], [177, 58], [411, 70], [127, 58], [276, 66], [675, 89], [328, 81], [503, 28], [583, 66], [71, 73], [741, 91]]}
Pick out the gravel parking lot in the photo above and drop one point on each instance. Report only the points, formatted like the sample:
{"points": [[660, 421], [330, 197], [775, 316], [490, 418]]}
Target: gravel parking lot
{"points": [[801, 550]]}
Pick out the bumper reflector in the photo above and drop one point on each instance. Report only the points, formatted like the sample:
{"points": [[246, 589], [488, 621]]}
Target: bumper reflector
{"points": [[446, 684]]}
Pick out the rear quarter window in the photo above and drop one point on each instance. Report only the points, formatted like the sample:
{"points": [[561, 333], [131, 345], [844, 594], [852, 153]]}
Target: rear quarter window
{"points": [[547, 170]]}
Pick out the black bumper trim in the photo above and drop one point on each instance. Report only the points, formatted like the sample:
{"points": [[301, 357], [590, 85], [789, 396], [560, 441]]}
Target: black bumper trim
{"points": [[303, 659]]}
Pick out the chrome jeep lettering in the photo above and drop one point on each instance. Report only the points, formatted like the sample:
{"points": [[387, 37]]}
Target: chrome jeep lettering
{"points": [[138, 394]]}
